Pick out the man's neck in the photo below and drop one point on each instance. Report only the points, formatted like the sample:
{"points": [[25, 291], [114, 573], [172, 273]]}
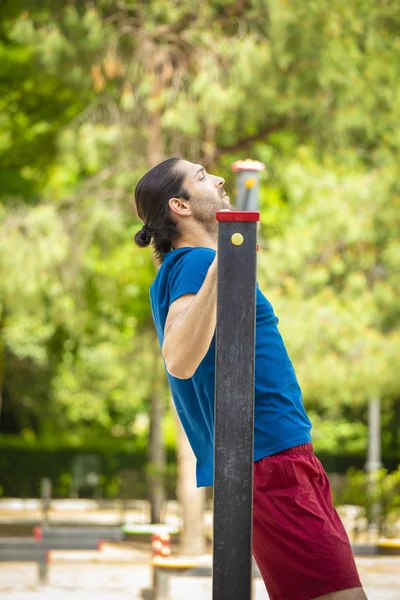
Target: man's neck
{"points": [[200, 241]]}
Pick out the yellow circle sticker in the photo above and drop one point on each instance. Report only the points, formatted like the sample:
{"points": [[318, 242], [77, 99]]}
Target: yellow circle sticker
{"points": [[237, 239]]}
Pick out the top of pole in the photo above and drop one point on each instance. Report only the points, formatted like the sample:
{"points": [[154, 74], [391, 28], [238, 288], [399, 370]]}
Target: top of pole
{"points": [[237, 215], [248, 165]]}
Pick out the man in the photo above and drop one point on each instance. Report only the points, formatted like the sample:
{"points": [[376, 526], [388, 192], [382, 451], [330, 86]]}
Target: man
{"points": [[299, 542]]}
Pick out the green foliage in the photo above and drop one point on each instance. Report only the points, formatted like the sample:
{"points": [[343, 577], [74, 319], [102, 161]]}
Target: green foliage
{"points": [[333, 275], [36, 102], [24, 462], [379, 491], [72, 310], [335, 436]]}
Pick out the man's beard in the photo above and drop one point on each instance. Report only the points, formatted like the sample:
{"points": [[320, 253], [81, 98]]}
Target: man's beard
{"points": [[205, 215]]}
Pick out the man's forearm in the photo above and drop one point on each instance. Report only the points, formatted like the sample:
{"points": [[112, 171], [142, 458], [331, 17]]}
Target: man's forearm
{"points": [[190, 334]]}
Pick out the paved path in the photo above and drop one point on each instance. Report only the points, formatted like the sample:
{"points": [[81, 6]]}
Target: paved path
{"points": [[116, 580]]}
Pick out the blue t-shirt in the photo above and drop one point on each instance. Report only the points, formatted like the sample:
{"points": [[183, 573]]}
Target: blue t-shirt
{"points": [[280, 420]]}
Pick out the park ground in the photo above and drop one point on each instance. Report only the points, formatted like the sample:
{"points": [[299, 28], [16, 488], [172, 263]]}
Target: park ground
{"points": [[116, 574], [121, 570]]}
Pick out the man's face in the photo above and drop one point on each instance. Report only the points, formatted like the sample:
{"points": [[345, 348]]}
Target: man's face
{"points": [[207, 194]]}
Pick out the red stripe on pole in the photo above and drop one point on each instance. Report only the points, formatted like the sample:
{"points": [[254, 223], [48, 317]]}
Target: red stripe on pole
{"points": [[237, 215]]}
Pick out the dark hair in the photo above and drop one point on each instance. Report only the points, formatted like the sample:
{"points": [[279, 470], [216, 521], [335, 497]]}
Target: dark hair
{"points": [[152, 195]]}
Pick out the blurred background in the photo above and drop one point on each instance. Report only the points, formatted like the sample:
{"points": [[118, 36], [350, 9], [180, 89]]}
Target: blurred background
{"points": [[94, 93]]}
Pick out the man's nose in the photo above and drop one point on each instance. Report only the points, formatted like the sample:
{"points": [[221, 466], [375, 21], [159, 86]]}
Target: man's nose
{"points": [[220, 181]]}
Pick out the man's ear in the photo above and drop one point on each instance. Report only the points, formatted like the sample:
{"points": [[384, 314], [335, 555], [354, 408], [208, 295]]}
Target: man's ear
{"points": [[180, 207]]}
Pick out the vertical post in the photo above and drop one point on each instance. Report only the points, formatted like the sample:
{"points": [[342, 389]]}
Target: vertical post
{"points": [[374, 460], [161, 547], [247, 183], [374, 434], [45, 493], [160, 584], [43, 567], [234, 405]]}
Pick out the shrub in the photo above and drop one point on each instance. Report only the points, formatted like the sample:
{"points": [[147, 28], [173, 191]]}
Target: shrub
{"points": [[378, 494]]}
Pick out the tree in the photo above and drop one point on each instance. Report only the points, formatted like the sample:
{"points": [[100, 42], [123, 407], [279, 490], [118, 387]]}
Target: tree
{"points": [[92, 94], [333, 276]]}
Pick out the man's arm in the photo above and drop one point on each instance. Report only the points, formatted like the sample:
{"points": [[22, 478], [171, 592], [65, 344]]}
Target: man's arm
{"points": [[190, 327]]}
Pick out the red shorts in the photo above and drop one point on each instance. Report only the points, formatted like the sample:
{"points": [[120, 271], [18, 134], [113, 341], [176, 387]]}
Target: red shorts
{"points": [[299, 542]]}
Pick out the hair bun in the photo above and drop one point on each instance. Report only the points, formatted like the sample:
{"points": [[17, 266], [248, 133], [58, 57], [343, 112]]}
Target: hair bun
{"points": [[143, 237]]}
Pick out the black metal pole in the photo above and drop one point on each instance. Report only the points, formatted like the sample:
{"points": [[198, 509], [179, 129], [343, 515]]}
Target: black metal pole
{"points": [[234, 405]]}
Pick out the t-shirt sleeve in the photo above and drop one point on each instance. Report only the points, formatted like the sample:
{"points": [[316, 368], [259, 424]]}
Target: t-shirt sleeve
{"points": [[189, 273]]}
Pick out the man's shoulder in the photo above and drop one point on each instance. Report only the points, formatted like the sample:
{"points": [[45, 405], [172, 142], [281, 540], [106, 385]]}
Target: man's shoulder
{"points": [[188, 258], [182, 257]]}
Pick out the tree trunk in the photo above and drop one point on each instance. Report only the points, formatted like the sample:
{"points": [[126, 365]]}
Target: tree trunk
{"points": [[190, 497], [157, 459], [155, 152], [157, 454], [395, 428], [155, 148]]}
